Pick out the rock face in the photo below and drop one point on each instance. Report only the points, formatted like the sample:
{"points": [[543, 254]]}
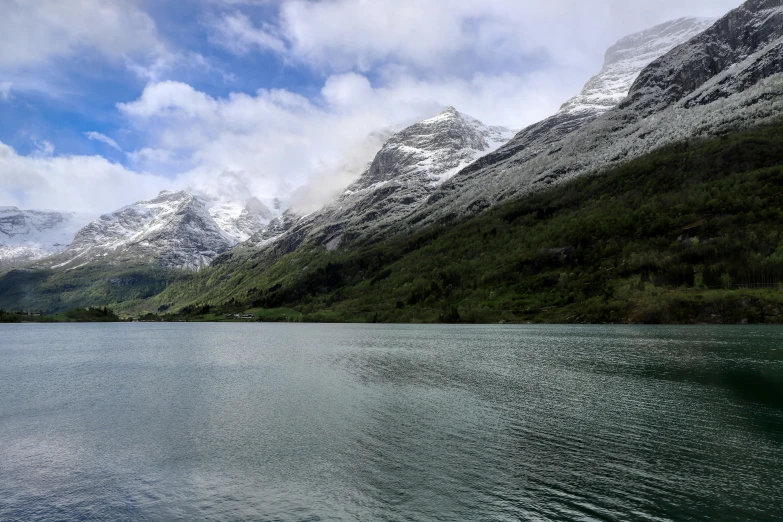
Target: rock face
{"points": [[733, 55], [29, 235], [626, 60], [408, 168], [174, 230], [726, 78], [623, 63]]}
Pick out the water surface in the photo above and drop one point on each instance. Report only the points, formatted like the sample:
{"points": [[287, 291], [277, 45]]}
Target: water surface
{"points": [[343, 423]]}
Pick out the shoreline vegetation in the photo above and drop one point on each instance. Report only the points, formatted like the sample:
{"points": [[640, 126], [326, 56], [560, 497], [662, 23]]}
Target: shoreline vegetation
{"points": [[691, 233], [726, 307], [77, 315]]}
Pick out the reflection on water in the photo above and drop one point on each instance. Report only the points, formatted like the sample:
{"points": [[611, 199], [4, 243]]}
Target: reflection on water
{"points": [[314, 422]]}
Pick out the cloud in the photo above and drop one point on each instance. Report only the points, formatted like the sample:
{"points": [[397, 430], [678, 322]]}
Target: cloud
{"points": [[83, 183], [236, 33], [376, 66], [273, 142], [5, 91], [34, 32], [454, 36], [279, 143], [97, 136]]}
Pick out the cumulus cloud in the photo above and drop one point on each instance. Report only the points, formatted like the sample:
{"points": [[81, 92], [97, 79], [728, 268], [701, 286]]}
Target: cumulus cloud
{"points": [[97, 136], [88, 184], [268, 144]]}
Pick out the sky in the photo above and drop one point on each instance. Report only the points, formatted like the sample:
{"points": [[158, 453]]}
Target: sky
{"points": [[107, 102]]}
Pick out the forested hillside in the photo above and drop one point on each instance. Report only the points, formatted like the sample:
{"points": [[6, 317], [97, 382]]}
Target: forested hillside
{"points": [[688, 233]]}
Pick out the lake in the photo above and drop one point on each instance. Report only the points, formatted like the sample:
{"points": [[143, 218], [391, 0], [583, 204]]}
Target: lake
{"points": [[391, 423]]}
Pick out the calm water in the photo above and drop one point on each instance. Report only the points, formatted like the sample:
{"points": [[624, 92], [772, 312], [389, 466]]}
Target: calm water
{"points": [[310, 423]]}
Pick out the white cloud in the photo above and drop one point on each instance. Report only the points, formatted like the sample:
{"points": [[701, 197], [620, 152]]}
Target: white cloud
{"points": [[33, 32], [5, 91], [360, 34], [81, 183], [508, 62], [97, 136], [236, 33], [279, 143]]}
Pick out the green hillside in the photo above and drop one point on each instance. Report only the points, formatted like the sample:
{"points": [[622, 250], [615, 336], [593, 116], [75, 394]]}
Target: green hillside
{"points": [[54, 291], [689, 233]]}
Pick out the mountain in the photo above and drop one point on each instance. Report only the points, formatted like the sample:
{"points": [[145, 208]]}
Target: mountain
{"points": [[623, 63], [241, 221], [414, 163], [174, 230], [726, 78], [732, 56], [626, 60], [409, 167], [688, 233], [29, 235]]}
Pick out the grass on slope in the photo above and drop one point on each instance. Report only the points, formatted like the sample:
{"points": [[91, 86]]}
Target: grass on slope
{"points": [[121, 288], [689, 233]]}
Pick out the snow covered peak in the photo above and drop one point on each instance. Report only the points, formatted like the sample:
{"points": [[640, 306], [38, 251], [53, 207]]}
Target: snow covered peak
{"points": [[449, 113], [29, 235], [733, 55], [242, 221], [173, 230], [433, 150], [627, 59], [409, 167]]}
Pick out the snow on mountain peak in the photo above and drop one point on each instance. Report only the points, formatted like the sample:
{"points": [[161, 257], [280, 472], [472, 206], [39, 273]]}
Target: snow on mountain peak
{"points": [[627, 59], [432, 150], [29, 235], [241, 221], [407, 169]]}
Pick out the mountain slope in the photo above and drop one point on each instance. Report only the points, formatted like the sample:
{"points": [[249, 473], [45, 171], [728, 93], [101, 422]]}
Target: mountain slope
{"points": [[689, 233], [174, 230], [623, 63], [666, 104], [733, 55], [407, 169], [29, 235]]}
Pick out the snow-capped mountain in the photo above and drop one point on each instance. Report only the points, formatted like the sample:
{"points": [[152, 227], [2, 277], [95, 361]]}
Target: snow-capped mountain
{"points": [[623, 63], [728, 77], [627, 59], [29, 235], [241, 221], [414, 163], [409, 167], [733, 55], [174, 230]]}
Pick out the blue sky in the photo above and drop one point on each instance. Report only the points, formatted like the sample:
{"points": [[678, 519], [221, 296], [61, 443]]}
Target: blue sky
{"points": [[108, 101]]}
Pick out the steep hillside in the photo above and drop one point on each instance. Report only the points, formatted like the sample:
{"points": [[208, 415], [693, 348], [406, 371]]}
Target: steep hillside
{"points": [[174, 230], [728, 77], [690, 233], [408, 168]]}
